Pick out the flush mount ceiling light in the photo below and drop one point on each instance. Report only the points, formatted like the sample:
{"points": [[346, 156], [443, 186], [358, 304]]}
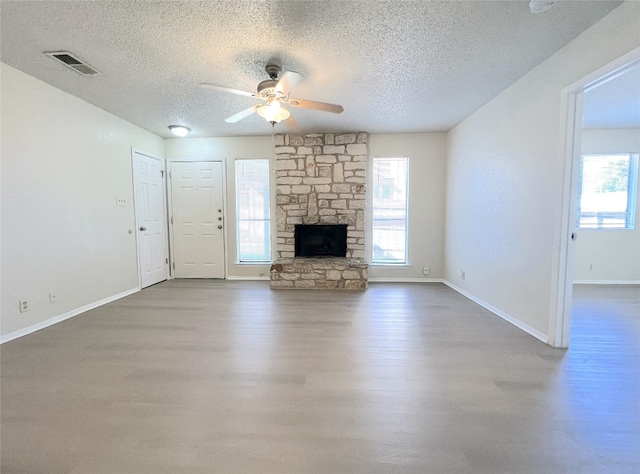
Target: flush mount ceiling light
{"points": [[541, 6], [179, 130]]}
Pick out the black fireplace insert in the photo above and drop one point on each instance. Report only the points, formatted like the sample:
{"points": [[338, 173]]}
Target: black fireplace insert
{"points": [[321, 240]]}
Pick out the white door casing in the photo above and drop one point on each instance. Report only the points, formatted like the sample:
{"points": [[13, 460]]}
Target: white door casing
{"points": [[151, 219], [571, 128], [198, 219]]}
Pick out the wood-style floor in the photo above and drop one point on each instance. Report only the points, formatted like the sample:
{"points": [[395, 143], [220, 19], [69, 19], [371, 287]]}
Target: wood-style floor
{"points": [[231, 377]]}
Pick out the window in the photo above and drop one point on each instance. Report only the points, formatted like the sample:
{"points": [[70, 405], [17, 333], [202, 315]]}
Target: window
{"points": [[607, 193], [253, 211], [389, 217]]}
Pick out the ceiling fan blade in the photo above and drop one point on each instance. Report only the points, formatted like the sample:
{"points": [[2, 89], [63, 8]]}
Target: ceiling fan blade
{"points": [[228, 89], [288, 80], [310, 104], [240, 115], [292, 123]]}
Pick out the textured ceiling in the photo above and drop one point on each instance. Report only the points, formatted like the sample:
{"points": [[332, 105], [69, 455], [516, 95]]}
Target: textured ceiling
{"points": [[614, 104], [407, 66]]}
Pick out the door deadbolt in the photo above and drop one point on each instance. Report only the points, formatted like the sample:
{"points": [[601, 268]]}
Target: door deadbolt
{"points": [[219, 227], [219, 218]]}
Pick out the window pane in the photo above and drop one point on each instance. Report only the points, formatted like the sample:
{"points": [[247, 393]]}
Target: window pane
{"points": [[390, 210], [607, 191], [253, 211]]}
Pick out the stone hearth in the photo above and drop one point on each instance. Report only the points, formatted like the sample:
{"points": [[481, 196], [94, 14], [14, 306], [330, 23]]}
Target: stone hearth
{"points": [[320, 179], [320, 273]]}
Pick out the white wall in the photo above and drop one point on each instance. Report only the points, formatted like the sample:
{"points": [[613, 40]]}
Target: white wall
{"points": [[504, 192], [63, 163], [427, 154], [226, 150], [613, 254]]}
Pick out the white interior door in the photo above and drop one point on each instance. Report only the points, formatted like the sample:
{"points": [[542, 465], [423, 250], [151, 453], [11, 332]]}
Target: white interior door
{"points": [[198, 219], [151, 219]]}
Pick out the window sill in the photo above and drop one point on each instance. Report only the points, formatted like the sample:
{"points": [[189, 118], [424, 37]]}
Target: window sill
{"points": [[601, 229]]}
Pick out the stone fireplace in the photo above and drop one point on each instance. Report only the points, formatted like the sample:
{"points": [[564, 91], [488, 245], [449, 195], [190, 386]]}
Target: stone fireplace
{"points": [[320, 187]]}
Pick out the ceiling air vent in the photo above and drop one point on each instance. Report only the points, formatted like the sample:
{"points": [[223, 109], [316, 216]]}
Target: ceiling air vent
{"points": [[72, 62]]}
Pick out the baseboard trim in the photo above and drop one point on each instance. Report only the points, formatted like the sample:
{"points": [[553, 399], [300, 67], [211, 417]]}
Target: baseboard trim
{"points": [[248, 278], [404, 280], [516, 322], [371, 280], [606, 282], [56, 319]]}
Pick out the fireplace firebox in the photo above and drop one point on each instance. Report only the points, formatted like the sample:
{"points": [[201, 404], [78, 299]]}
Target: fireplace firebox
{"points": [[320, 240]]}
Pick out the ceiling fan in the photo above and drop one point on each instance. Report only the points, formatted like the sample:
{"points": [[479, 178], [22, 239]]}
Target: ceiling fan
{"points": [[274, 93]]}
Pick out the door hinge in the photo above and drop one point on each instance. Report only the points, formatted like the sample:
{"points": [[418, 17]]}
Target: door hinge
{"points": [[166, 260], [174, 265], [162, 173], [171, 220]]}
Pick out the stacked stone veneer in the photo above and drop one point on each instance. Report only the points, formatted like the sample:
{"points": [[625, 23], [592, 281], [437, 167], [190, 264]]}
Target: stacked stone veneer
{"points": [[320, 179]]}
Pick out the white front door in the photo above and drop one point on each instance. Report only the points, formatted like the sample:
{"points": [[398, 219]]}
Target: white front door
{"points": [[151, 219], [198, 219]]}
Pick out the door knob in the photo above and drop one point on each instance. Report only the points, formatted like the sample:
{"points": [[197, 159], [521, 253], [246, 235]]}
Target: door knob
{"points": [[143, 229], [220, 227]]}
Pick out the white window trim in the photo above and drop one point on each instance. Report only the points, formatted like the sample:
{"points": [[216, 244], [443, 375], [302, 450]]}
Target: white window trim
{"points": [[406, 262], [632, 186], [237, 223]]}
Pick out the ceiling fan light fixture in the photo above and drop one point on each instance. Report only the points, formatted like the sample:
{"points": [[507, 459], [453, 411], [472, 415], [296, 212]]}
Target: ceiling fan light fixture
{"points": [[179, 130], [275, 93], [273, 112]]}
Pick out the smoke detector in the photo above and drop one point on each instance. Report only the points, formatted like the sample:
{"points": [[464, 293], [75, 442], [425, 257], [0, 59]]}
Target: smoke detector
{"points": [[541, 6]]}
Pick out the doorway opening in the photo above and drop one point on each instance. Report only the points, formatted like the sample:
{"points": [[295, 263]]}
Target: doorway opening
{"points": [[573, 103]]}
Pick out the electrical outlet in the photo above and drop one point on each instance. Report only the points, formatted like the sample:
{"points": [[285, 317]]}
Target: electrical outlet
{"points": [[417, 273], [120, 201], [590, 266], [426, 271], [261, 274], [24, 306], [53, 297], [462, 275]]}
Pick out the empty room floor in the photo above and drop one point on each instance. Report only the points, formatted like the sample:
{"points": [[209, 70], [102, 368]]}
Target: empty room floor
{"points": [[205, 376]]}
